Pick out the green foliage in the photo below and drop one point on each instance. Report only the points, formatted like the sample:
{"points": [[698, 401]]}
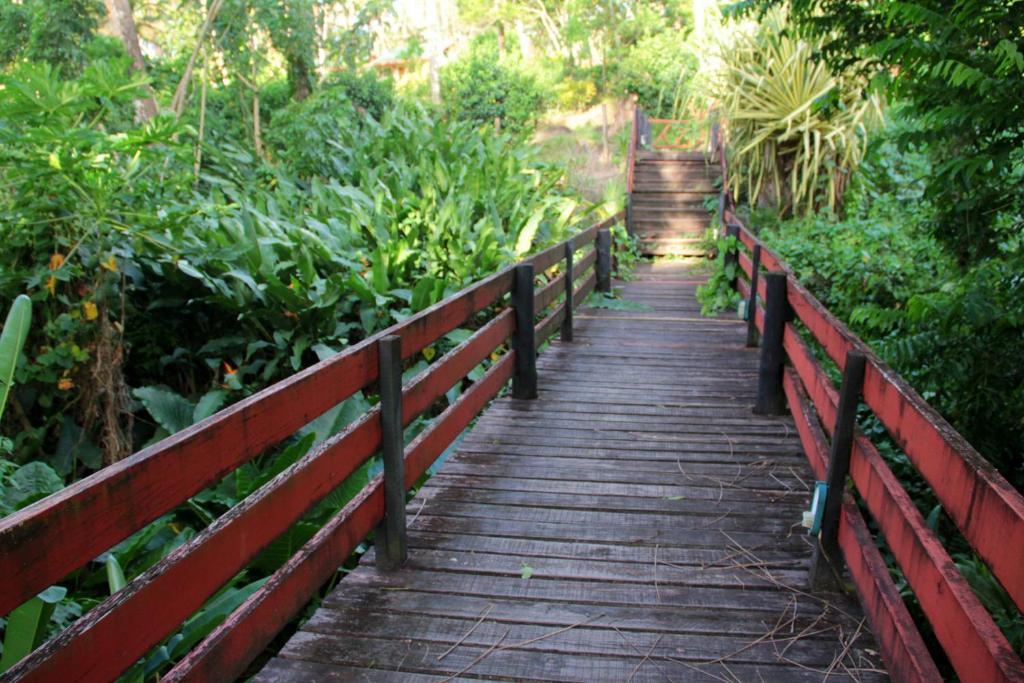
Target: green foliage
{"points": [[258, 271], [658, 70], [51, 31], [26, 625], [12, 340], [959, 69], [575, 94], [865, 268], [480, 88], [367, 92], [717, 294]]}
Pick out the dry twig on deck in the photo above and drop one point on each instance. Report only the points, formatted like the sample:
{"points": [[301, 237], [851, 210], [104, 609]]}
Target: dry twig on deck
{"points": [[480, 657], [637, 650], [467, 634], [644, 660]]}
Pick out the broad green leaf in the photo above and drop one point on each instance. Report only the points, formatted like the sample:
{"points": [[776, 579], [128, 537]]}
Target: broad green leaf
{"points": [[209, 404], [12, 340], [170, 410], [31, 482], [26, 626], [115, 575]]}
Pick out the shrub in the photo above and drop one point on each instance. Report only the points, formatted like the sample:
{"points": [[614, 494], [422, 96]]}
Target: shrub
{"points": [[658, 70], [483, 90], [573, 94], [142, 276], [366, 91]]}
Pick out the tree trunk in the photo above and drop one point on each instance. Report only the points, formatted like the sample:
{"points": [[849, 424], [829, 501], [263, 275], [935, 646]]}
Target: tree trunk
{"points": [[181, 93], [122, 22], [298, 77]]}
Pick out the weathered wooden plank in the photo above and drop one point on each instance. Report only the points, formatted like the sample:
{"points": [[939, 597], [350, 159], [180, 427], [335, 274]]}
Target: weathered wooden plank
{"points": [[591, 552], [625, 535], [699, 508], [667, 492], [364, 592], [227, 650], [548, 293], [433, 382], [906, 656], [593, 638], [984, 506], [480, 563], [516, 663], [432, 442]]}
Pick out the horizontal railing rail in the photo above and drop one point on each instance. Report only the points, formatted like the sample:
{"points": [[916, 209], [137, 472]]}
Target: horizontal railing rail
{"points": [[674, 134], [986, 509], [45, 542]]}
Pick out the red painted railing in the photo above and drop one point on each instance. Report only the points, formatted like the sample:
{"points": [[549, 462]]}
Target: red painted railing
{"points": [[674, 134], [987, 510], [43, 543]]}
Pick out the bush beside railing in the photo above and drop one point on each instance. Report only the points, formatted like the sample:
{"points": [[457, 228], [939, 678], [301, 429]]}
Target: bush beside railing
{"points": [[983, 505], [42, 544]]}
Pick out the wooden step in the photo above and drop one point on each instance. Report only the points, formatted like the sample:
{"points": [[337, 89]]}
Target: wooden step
{"points": [[670, 230], [673, 174], [648, 205], [672, 163], [688, 187], [656, 155], [662, 202], [672, 246], [679, 222]]}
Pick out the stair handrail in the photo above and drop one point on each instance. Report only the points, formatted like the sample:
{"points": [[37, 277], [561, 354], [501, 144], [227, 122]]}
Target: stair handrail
{"points": [[981, 503]]}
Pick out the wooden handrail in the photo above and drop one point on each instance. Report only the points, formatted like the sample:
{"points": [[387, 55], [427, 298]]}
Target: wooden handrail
{"points": [[42, 543], [984, 506]]}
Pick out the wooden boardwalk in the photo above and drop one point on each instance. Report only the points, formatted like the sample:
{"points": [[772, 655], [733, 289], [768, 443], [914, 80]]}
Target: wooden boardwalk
{"points": [[636, 522]]}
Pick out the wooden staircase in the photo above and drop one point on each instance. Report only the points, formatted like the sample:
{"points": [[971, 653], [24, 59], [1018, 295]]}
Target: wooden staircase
{"points": [[667, 200]]}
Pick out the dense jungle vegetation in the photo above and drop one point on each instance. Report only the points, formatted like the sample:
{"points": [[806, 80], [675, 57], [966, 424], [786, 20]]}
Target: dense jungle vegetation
{"points": [[199, 199]]}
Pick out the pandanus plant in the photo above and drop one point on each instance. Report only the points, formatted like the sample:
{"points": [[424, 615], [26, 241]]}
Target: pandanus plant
{"points": [[795, 130]]}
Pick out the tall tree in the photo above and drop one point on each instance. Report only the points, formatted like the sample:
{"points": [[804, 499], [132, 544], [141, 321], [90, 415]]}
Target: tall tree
{"points": [[122, 23]]}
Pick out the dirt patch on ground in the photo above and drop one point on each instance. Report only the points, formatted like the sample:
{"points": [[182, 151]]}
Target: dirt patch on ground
{"points": [[595, 157]]}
